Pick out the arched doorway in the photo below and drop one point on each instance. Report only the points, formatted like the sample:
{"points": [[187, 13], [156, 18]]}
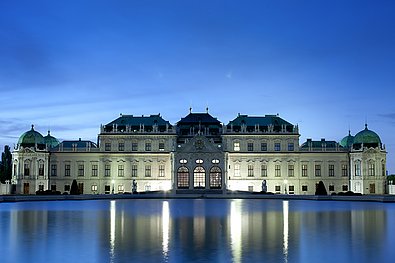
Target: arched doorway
{"points": [[183, 178], [199, 178], [215, 178]]}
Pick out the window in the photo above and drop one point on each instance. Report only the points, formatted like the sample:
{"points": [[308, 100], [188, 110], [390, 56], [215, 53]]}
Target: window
{"points": [[344, 170], [94, 188], [250, 147], [357, 169], [291, 170], [277, 188], [54, 170], [199, 180], [291, 147], [215, 161], [148, 171], [161, 146], [134, 170], [26, 170], [264, 170], [318, 170], [121, 146], [41, 169], [107, 170], [236, 146], [183, 161], [383, 170], [237, 170], [291, 189], [67, 170], [161, 170], [344, 187], [277, 170], [250, 170], [148, 146], [264, 147], [67, 188], [215, 177], [331, 170], [183, 177], [304, 188], [94, 170], [277, 147], [53, 187], [121, 188], [371, 169], [107, 146], [107, 189], [304, 170], [80, 170], [331, 188], [120, 170], [134, 146], [41, 187], [199, 161], [250, 188]]}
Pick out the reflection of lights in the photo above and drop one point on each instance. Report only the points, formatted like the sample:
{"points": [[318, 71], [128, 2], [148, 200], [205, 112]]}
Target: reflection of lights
{"points": [[285, 232], [112, 230], [235, 229], [165, 229]]}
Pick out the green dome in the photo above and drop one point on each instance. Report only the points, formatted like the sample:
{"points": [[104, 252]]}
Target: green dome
{"points": [[347, 141], [367, 137], [51, 141], [31, 138]]}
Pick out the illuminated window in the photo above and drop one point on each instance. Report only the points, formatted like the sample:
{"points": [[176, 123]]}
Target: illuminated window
{"points": [[183, 161], [199, 177], [94, 188], [215, 161], [215, 177], [183, 177], [199, 161], [236, 146], [161, 146], [121, 188], [371, 169]]}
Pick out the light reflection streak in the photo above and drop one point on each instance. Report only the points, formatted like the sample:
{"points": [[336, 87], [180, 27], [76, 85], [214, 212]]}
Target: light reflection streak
{"points": [[165, 230], [235, 230], [112, 230], [285, 229]]}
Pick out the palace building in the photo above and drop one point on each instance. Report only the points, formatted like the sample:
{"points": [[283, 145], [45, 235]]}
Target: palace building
{"points": [[199, 154]]}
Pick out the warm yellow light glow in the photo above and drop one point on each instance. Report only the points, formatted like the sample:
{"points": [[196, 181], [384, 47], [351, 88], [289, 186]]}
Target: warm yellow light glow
{"points": [[285, 230], [235, 229], [165, 229]]}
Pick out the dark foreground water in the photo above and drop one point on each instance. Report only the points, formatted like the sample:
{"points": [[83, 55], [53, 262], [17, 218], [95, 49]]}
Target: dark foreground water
{"points": [[197, 231]]}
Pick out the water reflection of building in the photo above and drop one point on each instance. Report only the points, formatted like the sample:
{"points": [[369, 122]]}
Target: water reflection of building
{"points": [[199, 153]]}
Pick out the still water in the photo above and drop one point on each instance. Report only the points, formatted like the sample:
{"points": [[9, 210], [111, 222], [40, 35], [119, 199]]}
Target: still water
{"points": [[178, 230]]}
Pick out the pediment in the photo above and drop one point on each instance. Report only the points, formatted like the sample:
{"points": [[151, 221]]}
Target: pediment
{"points": [[199, 144]]}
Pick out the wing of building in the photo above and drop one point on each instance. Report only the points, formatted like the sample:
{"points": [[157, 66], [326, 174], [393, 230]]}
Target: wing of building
{"points": [[199, 154]]}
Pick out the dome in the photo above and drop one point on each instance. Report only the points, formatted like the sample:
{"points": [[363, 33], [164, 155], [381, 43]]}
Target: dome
{"points": [[347, 141], [51, 141], [31, 138], [367, 138]]}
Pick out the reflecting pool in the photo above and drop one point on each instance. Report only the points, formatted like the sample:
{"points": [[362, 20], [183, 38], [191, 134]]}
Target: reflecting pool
{"points": [[200, 230]]}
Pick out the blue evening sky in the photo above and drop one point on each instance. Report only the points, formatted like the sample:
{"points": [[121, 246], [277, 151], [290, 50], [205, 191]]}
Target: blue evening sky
{"points": [[69, 66]]}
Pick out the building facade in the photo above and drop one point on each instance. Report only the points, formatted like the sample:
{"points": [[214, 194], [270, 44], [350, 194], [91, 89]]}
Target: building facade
{"points": [[199, 154]]}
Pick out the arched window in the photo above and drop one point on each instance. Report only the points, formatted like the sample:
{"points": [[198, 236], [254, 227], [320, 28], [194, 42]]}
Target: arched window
{"points": [[183, 177], [199, 177], [215, 177]]}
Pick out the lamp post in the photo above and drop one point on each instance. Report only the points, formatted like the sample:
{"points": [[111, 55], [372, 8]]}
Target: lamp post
{"points": [[113, 185]]}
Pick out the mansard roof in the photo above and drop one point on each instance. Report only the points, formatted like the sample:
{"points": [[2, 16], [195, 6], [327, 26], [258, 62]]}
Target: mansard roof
{"points": [[309, 143], [77, 143], [131, 120], [266, 120], [196, 118]]}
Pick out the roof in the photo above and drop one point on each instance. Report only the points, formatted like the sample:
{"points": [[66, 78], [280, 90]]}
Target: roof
{"points": [[196, 118], [318, 144], [31, 138], [50, 140], [266, 120], [367, 136], [347, 141], [131, 120], [78, 143]]}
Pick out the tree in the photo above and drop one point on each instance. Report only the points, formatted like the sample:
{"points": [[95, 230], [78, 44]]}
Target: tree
{"points": [[6, 165], [320, 189], [74, 188]]}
